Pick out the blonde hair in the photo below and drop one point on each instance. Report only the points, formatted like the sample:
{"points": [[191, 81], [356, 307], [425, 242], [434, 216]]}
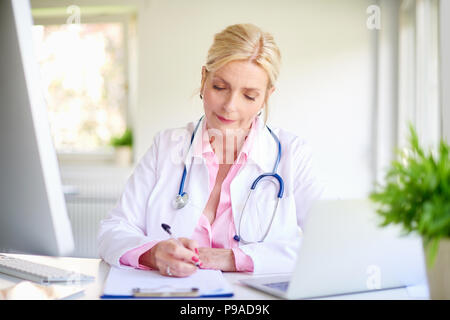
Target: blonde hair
{"points": [[245, 42]]}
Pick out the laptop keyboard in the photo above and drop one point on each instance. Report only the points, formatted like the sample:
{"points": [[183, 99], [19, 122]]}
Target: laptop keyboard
{"points": [[283, 286]]}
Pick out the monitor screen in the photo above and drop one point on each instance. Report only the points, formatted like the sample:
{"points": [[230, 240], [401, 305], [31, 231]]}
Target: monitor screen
{"points": [[33, 216]]}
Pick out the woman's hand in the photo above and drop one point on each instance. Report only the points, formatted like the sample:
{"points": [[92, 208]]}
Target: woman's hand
{"points": [[172, 258], [216, 258]]}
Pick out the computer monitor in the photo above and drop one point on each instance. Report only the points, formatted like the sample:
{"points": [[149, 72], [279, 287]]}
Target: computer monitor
{"points": [[33, 216]]}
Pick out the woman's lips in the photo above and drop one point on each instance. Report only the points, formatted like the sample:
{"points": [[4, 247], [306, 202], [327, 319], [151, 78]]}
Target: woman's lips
{"points": [[223, 120]]}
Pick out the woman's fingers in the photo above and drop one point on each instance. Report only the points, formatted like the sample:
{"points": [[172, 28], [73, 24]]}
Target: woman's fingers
{"points": [[190, 244], [180, 250], [175, 268], [176, 258]]}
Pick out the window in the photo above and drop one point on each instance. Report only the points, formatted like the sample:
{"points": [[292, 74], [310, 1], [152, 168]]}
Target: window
{"points": [[418, 71], [84, 79]]}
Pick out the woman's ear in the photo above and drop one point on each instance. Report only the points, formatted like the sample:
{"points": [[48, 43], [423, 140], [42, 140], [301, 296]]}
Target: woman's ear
{"points": [[266, 98], [204, 71], [270, 91]]}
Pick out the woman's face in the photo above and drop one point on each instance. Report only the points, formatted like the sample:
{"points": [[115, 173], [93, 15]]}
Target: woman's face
{"points": [[233, 95]]}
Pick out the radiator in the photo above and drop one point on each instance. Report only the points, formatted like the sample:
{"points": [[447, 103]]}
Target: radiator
{"points": [[90, 193]]}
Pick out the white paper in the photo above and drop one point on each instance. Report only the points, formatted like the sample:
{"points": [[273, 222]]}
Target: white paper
{"points": [[121, 282]]}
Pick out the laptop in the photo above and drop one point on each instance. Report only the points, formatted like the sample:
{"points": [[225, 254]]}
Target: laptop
{"points": [[344, 251]]}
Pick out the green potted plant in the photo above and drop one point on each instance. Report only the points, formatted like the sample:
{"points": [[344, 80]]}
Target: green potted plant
{"points": [[123, 147], [416, 195]]}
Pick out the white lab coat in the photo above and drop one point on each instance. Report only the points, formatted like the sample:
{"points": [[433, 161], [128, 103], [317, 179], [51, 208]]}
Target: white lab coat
{"points": [[147, 200]]}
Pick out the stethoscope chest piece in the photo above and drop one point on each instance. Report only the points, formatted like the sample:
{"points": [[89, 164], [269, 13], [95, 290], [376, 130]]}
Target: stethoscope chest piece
{"points": [[181, 200]]}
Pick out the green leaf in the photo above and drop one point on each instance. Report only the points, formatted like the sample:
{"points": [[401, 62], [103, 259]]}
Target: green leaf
{"points": [[416, 191], [126, 139]]}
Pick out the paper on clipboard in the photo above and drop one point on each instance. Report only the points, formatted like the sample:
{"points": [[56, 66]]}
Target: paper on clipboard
{"points": [[122, 283]]}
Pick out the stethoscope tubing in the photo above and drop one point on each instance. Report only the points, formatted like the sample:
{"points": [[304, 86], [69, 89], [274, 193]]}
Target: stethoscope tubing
{"points": [[183, 195], [183, 177]]}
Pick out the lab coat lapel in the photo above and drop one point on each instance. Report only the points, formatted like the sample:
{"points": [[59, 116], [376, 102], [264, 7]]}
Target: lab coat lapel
{"points": [[196, 186], [261, 159], [197, 178], [183, 221], [264, 150]]}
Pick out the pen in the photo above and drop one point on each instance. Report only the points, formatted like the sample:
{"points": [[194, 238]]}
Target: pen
{"points": [[166, 228]]}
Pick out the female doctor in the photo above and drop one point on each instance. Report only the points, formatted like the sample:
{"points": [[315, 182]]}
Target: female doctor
{"points": [[234, 192]]}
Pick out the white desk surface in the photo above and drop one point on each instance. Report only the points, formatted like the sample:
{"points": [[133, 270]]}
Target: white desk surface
{"points": [[99, 269]]}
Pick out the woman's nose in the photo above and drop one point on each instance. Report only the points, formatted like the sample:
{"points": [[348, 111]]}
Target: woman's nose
{"points": [[231, 103]]}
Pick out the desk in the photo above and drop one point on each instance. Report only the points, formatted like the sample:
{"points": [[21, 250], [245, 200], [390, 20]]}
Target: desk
{"points": [[99, 269]]}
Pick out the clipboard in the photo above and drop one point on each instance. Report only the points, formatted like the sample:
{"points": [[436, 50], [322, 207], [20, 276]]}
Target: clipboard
{"points": [[166, 292], [130, 283]]}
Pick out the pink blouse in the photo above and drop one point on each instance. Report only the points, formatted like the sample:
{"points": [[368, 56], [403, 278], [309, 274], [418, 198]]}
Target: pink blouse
{"points": [[220, 234]]}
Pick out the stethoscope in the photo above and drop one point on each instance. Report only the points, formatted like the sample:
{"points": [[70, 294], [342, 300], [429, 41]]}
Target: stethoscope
{"points": [[182, 197]]}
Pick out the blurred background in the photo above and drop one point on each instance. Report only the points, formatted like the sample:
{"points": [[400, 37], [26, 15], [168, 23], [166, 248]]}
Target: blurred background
{"points": [[354, 74]]}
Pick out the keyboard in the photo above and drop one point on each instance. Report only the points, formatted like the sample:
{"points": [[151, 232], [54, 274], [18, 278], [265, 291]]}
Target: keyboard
{"points": [[39, 273], [282, 286]]}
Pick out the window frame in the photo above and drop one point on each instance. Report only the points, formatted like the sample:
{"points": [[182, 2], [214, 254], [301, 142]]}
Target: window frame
{"points": [[419, 72], [104, 155]]}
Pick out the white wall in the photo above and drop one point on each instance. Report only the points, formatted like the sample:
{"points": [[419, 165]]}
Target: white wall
{"points": [[327, 87], [325, 90]]}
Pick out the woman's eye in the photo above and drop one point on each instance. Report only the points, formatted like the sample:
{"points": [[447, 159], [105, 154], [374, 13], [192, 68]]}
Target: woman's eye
{"points": [[221, 88]]}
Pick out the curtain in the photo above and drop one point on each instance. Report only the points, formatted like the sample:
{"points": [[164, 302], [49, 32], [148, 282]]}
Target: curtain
{"points": [[408, 78], [444, 66], [419, 72]]}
